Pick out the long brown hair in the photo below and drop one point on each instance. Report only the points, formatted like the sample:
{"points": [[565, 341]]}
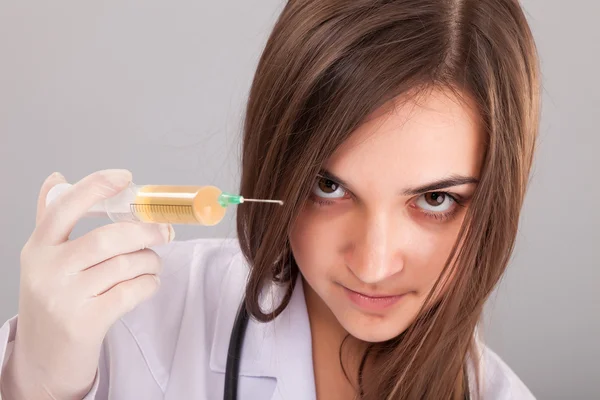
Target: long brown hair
{"points": [[326, 66]]}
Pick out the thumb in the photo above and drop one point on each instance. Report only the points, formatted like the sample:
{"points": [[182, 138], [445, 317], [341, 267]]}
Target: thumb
{"points": [[48, 184]]}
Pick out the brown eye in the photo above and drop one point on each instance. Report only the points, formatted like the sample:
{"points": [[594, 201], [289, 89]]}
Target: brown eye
{"points": [[435, 199], [327, 186], [435, 202]]}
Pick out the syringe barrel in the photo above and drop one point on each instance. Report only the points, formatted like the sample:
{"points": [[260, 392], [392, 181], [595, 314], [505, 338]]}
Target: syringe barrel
{"points": [[196, 205]]}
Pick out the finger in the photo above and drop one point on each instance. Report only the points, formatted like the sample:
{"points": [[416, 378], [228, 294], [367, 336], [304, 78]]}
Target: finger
{"points": [[48, 184], [100, 278], [111, 240], [63, 213], [125, 296]]}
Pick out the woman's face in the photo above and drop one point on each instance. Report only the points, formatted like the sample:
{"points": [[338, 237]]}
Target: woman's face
{"points": [[380, 224]]}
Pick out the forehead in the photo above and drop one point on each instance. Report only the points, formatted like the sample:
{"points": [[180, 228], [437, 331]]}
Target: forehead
{"points": [[413, 141]]}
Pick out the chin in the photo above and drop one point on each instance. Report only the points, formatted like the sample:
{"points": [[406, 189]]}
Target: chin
{"points": [[372, 328]]}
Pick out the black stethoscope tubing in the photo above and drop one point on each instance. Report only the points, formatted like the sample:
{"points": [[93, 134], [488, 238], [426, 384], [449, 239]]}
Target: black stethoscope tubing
{"points": [[234, 353]]}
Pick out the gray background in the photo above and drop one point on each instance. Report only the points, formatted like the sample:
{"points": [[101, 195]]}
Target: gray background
{"points": [[159, 87]]}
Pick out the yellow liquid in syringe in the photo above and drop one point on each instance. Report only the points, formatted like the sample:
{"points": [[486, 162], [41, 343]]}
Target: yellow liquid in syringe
{"points": [[178, 204]]}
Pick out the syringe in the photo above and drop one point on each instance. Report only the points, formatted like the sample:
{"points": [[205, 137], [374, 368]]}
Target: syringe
{"points": [[174, 204]]}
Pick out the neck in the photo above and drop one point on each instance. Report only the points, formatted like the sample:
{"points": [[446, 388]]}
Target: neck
{"points": [[327, 337]]}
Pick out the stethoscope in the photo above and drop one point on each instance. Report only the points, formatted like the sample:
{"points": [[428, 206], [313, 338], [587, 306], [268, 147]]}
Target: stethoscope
{"points": [[234, 354]]}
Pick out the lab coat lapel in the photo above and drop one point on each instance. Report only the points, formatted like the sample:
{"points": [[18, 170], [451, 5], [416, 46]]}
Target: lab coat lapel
{"points": [[280, 349], [293, 350]]}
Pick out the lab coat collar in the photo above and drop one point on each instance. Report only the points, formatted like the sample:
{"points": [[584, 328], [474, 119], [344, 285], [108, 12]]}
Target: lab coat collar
{"points": [[280, 349]]}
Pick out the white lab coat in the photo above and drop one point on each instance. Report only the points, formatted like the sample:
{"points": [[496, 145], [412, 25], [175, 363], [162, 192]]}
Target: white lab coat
{"points": [[174, 345]]}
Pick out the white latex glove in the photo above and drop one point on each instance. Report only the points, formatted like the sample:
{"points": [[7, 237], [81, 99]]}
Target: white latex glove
{"points": [[72, 291]]}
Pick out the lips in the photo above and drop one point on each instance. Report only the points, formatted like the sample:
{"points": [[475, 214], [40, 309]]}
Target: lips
{"points": [[371, 302]]}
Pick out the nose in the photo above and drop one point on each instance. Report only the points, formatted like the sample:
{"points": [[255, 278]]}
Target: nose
{"points": [[375, 254]]}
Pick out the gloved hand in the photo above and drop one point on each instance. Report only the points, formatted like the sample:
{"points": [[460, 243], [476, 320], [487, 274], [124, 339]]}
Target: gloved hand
{"points": [[72, 291]]}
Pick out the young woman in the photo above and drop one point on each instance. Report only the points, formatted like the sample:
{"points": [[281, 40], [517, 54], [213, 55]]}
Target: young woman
{"points": [[399, 135]]}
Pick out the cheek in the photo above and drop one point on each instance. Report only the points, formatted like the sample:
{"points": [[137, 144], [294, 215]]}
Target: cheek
{"points": [[313, 243], [430, 258]]}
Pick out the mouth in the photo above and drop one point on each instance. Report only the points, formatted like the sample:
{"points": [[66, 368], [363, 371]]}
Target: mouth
{"points": [[372, 302]]}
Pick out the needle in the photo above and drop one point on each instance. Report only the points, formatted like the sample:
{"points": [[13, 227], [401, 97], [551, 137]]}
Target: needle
{"points": [[262, 201]]}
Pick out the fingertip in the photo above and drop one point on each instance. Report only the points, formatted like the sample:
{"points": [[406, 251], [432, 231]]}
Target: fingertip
{"points": [[51, 181], [54, 179], [170, 233], [146, 289], [57, 175]]}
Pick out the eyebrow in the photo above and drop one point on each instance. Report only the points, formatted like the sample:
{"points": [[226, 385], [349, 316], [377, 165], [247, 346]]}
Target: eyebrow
{"points": [[453, 180]]}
